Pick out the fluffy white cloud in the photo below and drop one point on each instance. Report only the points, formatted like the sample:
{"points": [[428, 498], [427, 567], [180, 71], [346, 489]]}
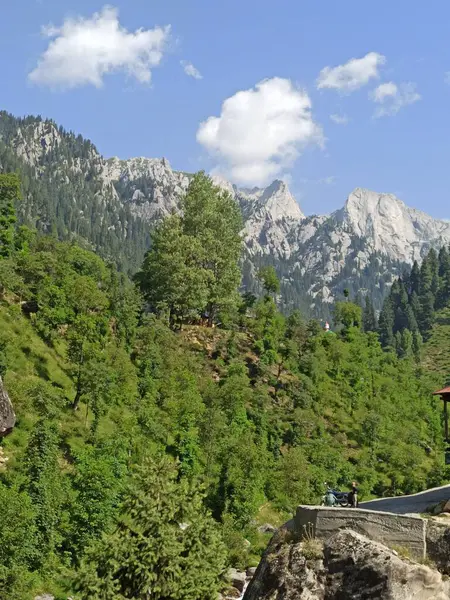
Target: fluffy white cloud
{"points": [[260, 131], [392, 97], [190, 70], [84, 50], [353, 75], [339, 119]]}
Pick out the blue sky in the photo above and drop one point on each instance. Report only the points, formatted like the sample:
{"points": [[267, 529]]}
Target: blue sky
{"points": [[395, 96]]}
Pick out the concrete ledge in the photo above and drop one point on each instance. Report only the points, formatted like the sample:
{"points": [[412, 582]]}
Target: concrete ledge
{"points": [[387, 528]]}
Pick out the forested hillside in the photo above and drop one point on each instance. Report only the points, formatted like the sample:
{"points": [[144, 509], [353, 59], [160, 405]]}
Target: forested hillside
{"points": [[416, 302], [161, 421], [65, 192]]}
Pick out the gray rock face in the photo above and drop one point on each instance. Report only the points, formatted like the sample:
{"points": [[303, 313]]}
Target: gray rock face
{"points": [[351, 567], [438, 544], [7, 416], [372, 230]]}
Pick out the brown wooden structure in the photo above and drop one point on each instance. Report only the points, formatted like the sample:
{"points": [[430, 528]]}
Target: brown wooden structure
{"points": [[445, 395]]}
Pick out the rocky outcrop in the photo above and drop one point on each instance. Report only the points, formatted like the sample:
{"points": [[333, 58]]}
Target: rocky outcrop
{"points": [[7, 416], [401, 531], [438, 543], [347, 566]]}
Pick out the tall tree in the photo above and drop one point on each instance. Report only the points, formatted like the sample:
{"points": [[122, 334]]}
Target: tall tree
{"points": [[369, 317], [213, 217], [192, 267], [386, 324], [9, 195]]}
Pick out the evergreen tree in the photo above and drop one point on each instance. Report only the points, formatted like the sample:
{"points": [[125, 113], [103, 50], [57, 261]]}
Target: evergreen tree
{"points": [[426, 314], [386, 324], [9, 195], [166, 545], [369, 317], [414, 279]]}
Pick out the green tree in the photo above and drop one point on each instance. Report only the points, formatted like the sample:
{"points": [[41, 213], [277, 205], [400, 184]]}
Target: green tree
{"points": [[45, 487], [369, 317], [386, 324], [269, 280], [9, 195], [348, 315], [165, 546], [17, 548], [192, 267], [173, 277]]}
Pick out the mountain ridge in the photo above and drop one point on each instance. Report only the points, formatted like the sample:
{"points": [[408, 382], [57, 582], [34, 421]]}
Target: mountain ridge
{"points": [[111, 204]]}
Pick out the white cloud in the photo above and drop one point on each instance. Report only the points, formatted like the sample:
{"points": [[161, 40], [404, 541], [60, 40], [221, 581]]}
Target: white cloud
{"points": [[393, 97], [383, 91], [339, 119], [190, 70], [261, 131], [84, 50], [353, 75]]}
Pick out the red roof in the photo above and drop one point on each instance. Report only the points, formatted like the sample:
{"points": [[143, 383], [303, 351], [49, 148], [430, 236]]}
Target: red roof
{"points": [[443, 392]]}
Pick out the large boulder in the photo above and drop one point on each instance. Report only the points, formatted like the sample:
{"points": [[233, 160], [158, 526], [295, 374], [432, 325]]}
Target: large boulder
{"points": [[348, 565], [438, 543], [7, 416]]}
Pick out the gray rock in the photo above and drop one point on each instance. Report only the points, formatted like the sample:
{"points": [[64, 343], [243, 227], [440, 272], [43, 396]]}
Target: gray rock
{"points": [[267, 528], [238, 579], [438, 545], [7, 416], [251, 571], [45, 597], [351, 567]]}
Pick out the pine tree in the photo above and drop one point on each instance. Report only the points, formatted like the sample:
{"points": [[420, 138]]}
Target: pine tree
{"points": [[9, 195], [369, 317], [386, 324], [426, 314], [414, 278], [166, 545]]}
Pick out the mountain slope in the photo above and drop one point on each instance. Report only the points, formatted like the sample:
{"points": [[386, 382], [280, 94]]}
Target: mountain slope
{"points": [[110, 206]]}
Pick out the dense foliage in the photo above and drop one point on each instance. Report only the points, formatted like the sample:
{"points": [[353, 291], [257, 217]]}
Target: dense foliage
{"points": [[145, 456], [411, 309]]}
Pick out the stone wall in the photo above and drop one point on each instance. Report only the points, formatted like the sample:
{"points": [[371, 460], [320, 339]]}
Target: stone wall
{"points": [[389, 529]]}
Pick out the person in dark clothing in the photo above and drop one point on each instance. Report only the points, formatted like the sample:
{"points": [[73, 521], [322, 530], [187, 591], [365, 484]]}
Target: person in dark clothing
{"points": [[353, 495]]}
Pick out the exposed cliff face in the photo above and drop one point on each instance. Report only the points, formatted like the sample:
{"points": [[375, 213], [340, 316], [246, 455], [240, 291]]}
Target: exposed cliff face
{"points": [[7, 416], [390, 226], [349, 566]]}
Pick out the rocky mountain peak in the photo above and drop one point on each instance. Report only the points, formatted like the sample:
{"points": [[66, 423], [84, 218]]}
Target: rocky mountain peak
{"points": [[279, 202], [390, 226], [274, 202]]}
